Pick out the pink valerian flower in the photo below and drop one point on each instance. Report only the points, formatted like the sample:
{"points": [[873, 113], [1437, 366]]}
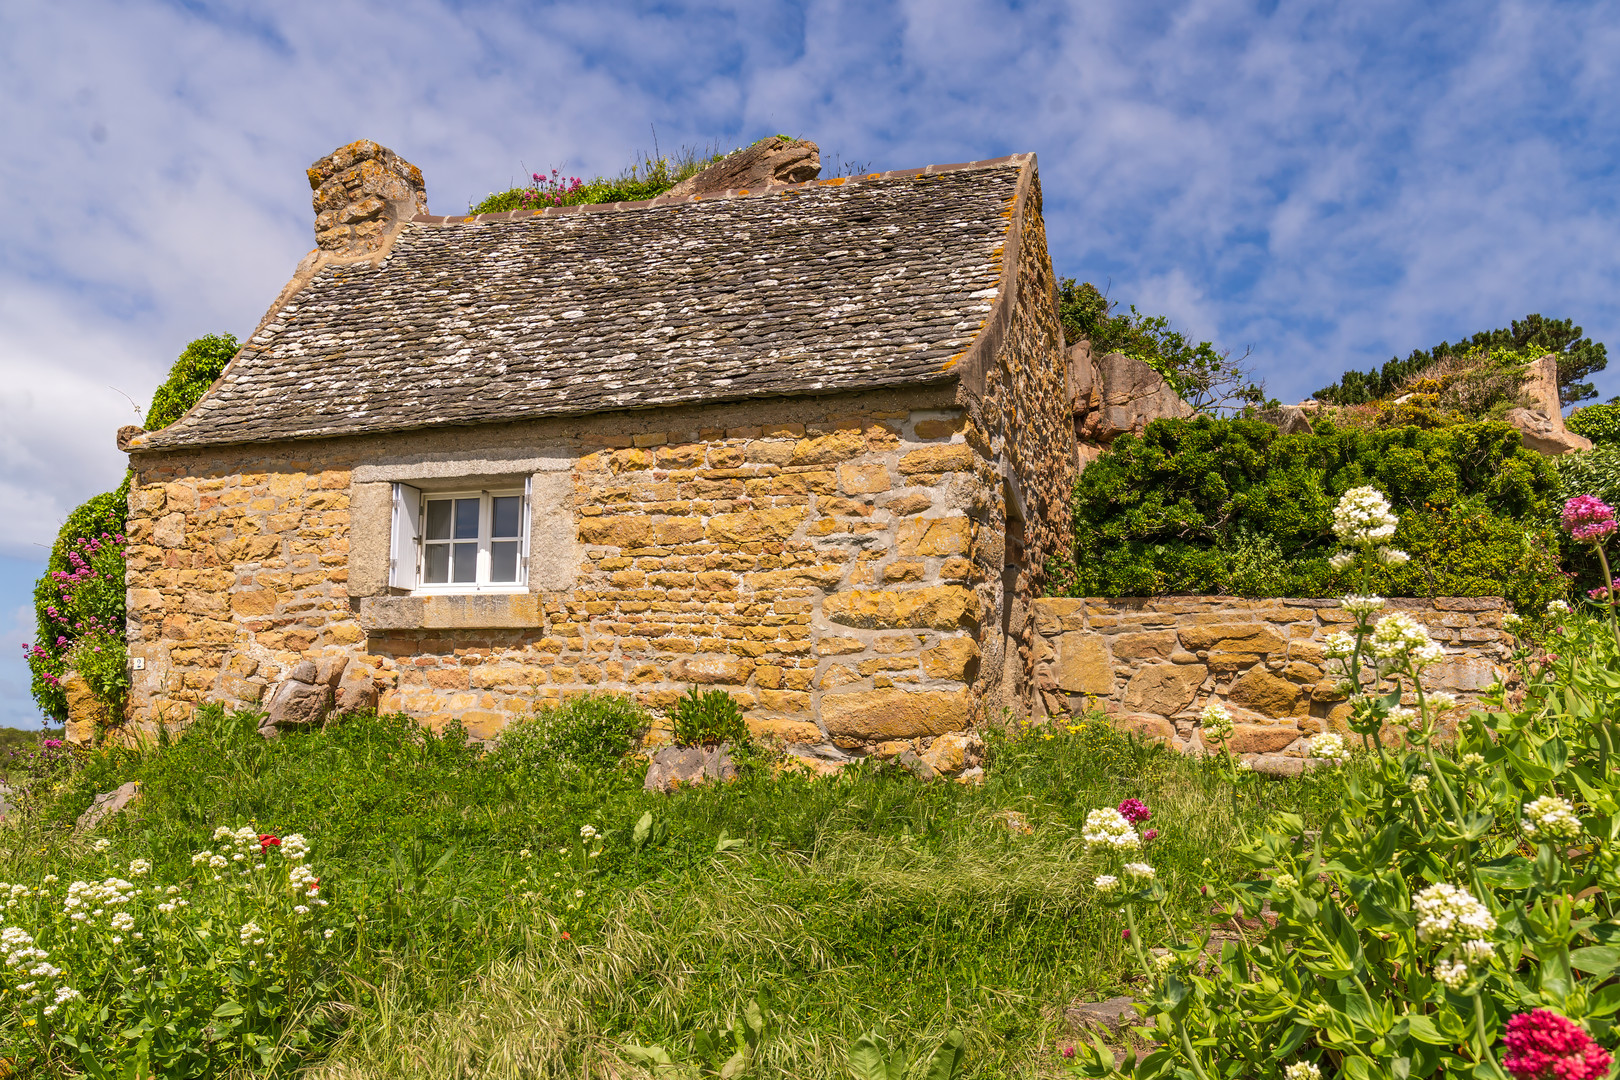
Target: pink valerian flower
{"points": [[1134, 811], [1603, 594], [1541, 1045], [1151, 834], [1588, 519]]}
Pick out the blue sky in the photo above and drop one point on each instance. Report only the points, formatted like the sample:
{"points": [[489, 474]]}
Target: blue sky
{"points": [[1325, 183]]}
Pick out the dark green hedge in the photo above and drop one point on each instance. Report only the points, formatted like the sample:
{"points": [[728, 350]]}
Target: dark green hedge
{"points": [[1235, 507]]}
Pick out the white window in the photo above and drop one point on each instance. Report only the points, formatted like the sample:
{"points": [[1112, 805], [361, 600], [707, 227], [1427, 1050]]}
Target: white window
{"points": [[460, 541]]}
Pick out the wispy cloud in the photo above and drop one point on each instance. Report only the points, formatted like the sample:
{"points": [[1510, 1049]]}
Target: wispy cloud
{"points": [[1328, 183]]}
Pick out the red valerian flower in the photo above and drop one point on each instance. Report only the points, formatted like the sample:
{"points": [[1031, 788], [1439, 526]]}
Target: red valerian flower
{"points": [[1151, 834], [267, 841], [1541, 1045], [1134, 811]]}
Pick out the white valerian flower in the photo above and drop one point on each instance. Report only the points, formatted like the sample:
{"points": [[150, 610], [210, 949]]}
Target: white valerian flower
{"points": [[48, 879], [1107, 828], [1419, 784], [587, 832], [251, 934], [1329, 746], [1302, 1070], [1341, 560], [1472, 760], [525, 854], [1338, 646], [1361, 605], [1363, 517], [216, 862], [1440, 701], [300, 910], [1477, 950], [101, 845], [1216, 720], [1140, 871], [1245, 765], [293, 847], [1398, 635], [122, 921], [1558, 607], [1392, 556], [328, 935], [1400, 714], [1106, 883], [1446, 912], [579, 893], [1452, 973], [139, 867], [1552, 818], [1284, 880], [1511, 623]]}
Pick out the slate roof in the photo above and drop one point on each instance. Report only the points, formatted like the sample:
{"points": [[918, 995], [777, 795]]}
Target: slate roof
{"points": [[809, 288]]}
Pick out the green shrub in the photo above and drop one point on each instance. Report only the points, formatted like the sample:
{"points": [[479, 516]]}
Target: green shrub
{"points": [[1587, 472], [1600, 423], [594, 731], [192, 374], [1450, 892], [1236, 507], [712, 716], [646, 179]]}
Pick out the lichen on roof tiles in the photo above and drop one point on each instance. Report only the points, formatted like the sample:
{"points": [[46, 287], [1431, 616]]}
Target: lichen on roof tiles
{"points": [[815, 288]]}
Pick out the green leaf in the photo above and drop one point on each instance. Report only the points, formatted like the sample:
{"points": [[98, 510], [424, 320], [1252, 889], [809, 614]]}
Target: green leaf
{"points": [[229, 1008], [649, 1056], [866, 1058], [1556, 754], [1421, 1028], [947, 1060], [1511, 872], [642, 831], [1598, 960]]}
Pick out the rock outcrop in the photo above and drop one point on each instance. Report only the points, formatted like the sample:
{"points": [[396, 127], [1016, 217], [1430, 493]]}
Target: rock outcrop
{"points": [[770, 161], [1115, 394], [682, 766], [305, 697], [86, 712], [1541, 421], [107, 804]]}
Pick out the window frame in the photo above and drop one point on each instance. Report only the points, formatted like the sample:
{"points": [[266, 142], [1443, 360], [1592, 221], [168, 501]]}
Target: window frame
{"points": [[486, 514]]}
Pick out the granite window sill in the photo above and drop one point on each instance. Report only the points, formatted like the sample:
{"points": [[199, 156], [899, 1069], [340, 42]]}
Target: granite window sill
{"points": [[470, 611]]}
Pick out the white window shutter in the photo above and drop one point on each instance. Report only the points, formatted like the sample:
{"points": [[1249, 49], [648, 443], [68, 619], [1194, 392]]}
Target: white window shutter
{"points": [[528, 515], [405, 541]]}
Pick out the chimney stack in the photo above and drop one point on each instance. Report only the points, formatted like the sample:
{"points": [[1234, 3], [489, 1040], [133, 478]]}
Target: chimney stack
{"points": [[361, 191]]}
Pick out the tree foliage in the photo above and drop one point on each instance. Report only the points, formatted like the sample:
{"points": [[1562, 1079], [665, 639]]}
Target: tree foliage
{"points": [[192, 374], [1205, 377], [1578, 357]]}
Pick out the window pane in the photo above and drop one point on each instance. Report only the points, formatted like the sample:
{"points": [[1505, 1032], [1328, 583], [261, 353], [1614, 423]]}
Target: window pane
{"points": [[466, 522], [438, 562], [506, 515], [503, 561], [438, 519], [466, 563]]}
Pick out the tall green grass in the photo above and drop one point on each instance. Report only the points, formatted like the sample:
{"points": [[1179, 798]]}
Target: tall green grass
{"points": [[870, 899]]}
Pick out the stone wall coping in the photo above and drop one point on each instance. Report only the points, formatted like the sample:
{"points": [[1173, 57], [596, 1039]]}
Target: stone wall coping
{"points": [[1239, 604]]}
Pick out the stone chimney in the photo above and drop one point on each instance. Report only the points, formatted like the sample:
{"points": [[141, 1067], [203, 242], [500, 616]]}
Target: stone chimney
{"points": [[361, 191]]}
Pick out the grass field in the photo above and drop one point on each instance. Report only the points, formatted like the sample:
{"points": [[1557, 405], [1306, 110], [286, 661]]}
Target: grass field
{"points": [[481, 938]]}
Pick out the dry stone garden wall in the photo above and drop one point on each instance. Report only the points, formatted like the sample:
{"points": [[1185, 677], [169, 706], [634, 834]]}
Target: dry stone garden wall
{"points": [[1152, 663]]}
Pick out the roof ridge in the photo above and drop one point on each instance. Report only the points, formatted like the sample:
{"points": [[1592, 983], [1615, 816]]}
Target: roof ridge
{"points": [[729, 193]]}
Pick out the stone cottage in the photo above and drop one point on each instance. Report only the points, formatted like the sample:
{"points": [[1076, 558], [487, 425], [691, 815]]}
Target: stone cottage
{"points": [[810, 442]]}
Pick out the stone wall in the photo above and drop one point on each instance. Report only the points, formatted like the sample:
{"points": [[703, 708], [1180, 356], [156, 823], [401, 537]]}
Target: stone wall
{"points": [[1154, 662], [822, 559]]}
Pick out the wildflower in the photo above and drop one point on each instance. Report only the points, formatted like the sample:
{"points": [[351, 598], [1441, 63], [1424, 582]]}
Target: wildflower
{"points": [[1245, 766], [216, 862], [1338, 646], [139, 867], [1068, 1051], [1477, 951], [328, 934], [48, 879], [1361, 605], [1511, 623], [1163, 962], [1541, 1045], [1392, 556], [1588, 519], [251, 934], [300, 910], [268, 841], [587, 832], [1106, 883], [1140, 871], [1151, 834], [1363, 517], [1341, 560], [579, 893], [1552, 818], [294, 847], [1558, 607], [1446, 912], [1302, 1070], [1330, 747], [525, 854], [1419, 784], [102, 845], [1107, 828], [123, 920], [1217, 721], [1440, 701], [1472, 760], [1453, 973], [1134, 811], [1399, 635]]}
